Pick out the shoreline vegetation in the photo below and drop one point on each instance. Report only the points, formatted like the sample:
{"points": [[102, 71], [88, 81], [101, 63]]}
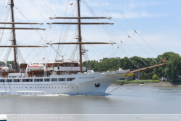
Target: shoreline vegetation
{"points": [[170, 72], [146, 82]]}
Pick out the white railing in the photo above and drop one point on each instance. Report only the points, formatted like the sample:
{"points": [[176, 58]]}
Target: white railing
{"points": [[69, 69]]}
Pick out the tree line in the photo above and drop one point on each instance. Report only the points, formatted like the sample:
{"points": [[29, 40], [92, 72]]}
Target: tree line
{"points": [[171, 71]]}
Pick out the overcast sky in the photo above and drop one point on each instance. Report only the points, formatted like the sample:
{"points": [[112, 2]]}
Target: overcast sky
{"points": [[158, 23]]}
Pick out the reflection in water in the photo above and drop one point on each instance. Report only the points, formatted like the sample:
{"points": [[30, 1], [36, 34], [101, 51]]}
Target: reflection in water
{"points": [[125, 100]]}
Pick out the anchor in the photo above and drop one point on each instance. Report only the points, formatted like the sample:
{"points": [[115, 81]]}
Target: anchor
{"points": [[97, 85]]}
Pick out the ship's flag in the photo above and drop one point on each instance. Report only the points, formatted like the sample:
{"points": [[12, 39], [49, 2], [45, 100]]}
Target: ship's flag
{"points": [[71, 3], [164, 60]]}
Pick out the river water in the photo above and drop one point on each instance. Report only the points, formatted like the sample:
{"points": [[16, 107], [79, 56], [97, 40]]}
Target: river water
{"points": [[135, 99]]}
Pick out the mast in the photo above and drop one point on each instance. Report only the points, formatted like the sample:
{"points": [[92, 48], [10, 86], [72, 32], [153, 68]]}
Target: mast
{"points": [[13, 28], [14, 35], [79, 23], [79, 34]]}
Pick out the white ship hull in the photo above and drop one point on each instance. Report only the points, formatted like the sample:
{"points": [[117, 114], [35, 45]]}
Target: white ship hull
{"points": [[83, 84]]}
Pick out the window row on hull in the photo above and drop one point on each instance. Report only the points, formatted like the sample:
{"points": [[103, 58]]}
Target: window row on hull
{"points": [[37, 80]]}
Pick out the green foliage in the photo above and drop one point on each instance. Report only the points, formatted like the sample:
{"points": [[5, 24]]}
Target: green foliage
{"points": [[143, 75], [112, 69], [121, 82], [136, 81], [155, 77], [8, 62], [171, 71]]}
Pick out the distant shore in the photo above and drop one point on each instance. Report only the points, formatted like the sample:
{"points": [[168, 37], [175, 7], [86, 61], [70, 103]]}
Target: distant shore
{"points": [[148, 83]]}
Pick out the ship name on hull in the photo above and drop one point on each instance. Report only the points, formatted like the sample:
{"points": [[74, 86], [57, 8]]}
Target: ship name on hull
{"points": [[87, 77]]}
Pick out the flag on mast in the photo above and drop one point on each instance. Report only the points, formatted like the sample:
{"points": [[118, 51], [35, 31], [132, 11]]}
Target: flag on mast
{"points": [[71, 3], [164, 60]]}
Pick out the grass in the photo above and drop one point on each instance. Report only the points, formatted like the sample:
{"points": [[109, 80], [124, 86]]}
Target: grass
{"points": [[136, 81]]}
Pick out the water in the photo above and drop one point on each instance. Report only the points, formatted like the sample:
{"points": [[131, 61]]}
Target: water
{"points": [[125, 100]]}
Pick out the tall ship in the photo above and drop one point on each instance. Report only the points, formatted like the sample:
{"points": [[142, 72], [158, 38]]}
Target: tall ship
{"points": [[59, 77]]}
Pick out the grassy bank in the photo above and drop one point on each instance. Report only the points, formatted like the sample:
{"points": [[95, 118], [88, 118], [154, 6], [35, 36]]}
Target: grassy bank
{"points": [[136, 81]]}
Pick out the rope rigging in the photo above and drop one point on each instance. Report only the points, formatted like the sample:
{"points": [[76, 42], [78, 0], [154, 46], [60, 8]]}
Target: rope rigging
{"points": [[5, 19], [125, 31], [2, 10], [134, 28], [70, 41], [121, 48], [67, 27], [115, 88], [62, 29], [63, 36], [44, 18], [48, 7], [41, 37]]}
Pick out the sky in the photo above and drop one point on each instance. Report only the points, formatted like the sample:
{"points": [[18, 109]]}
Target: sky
{"points": [[157, 24]]}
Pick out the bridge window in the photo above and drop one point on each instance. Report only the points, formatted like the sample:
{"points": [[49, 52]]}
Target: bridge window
{"points": [[54, 79], [62, 79], [16, 80], [38, 80], [46, 80], [9, 80], [2, 80], [70, 79], [27, 80]]}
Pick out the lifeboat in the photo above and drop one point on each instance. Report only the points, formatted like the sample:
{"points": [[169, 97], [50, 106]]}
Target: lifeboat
{"points": [[4, 68], [36, 67]]}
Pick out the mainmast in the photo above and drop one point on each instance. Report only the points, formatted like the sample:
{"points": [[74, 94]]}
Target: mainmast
{"points": [[79, 23], [79, 34], [13, 34]]}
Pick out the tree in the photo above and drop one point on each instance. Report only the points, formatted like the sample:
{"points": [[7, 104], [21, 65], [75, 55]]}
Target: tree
{"points": [[143, 75], [155, 77]]}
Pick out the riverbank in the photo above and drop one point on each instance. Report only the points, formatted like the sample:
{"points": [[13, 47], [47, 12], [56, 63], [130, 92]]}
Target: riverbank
{"points": [[146, 83]]}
